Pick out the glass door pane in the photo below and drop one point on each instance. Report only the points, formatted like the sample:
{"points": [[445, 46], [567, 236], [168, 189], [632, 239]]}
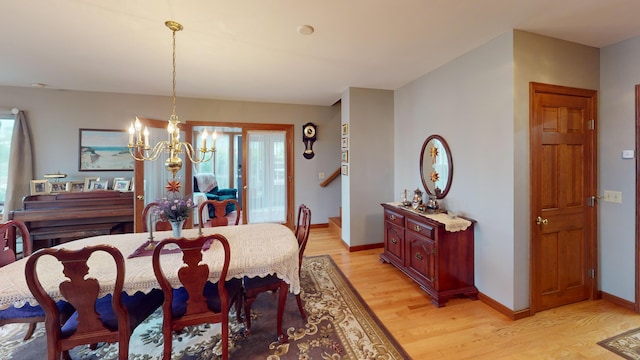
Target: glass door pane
{"points": [[266, 169]]}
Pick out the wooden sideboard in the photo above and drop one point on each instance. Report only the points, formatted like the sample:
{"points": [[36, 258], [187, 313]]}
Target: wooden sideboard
{"points": [[440, 261]]}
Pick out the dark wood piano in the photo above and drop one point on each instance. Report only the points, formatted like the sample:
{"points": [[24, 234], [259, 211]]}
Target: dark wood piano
{"points": [[68, 216]]}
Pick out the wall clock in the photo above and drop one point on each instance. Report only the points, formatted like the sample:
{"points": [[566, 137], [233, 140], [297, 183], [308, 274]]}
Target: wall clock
{"points": [[308, 138]]}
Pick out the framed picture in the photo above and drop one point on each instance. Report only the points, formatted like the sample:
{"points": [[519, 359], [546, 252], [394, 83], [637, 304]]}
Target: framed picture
{"points": [[88, 182], [345, 143], [99, 185], [39, 187], [57, 187], [121, 185], [133, 181], [345, 129], [345, 156], [104, 150], [75, 186], [345, 169]]}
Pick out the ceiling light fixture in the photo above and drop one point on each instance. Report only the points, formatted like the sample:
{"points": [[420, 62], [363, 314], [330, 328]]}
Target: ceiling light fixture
{"points": [[139, 140]]}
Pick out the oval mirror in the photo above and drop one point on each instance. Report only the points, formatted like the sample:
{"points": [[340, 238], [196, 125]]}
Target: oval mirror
{"points": [[436, 166]]}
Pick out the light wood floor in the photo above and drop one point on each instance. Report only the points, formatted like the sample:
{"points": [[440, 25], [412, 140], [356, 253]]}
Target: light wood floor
{"points": [[466, 329]]}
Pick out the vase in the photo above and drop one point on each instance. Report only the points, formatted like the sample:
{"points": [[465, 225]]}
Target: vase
{"points": [[176, 226]]}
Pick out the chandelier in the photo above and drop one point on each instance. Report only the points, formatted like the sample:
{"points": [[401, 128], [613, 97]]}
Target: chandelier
{"points": [[139, 147]]}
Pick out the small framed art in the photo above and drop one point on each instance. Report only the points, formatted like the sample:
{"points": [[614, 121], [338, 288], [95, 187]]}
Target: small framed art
{"points": [[88, 182], [99, 185], [39, 187], [345, 143], [345, 169], [345, 129], [57, 187], [121, 185], [345, 156], [75, 186]]}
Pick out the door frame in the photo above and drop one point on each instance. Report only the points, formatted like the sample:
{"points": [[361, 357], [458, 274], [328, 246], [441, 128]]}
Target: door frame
{"points": [[288, 129], [636, 305], [592, 258]]}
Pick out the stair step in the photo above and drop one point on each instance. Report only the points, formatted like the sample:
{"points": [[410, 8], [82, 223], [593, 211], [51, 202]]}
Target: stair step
{"points": [[335, 225]]}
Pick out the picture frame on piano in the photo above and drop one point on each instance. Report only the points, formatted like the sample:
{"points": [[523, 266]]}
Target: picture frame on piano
{"points": [[57, 187], [39, 187], [88, 182], [121, 185], [75, 186]]}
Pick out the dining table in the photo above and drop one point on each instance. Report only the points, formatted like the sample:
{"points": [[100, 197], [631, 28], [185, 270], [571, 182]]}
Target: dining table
{"points": [[257, 250]]}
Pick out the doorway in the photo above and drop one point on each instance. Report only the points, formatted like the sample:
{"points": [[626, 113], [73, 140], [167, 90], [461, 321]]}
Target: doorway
{"points": [[563, 188]]}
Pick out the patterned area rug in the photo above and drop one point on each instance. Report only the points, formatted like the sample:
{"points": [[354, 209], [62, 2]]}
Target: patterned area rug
{"points": [[626, 344], [339, 326]]}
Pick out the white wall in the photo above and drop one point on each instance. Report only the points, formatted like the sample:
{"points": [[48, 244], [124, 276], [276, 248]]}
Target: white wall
{"points": [[55, 116], [619, 73], [469, 102]]}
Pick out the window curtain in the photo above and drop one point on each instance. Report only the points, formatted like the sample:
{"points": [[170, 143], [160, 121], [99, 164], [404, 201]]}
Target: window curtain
{"points": [[20, 166]]}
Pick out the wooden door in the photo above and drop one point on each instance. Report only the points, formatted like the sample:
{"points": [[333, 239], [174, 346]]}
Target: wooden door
{"points": [[563, 186]]}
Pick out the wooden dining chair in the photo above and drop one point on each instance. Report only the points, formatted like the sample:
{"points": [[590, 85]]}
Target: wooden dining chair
{"points": [[255, 286], [198, 301], [111, 318], [219, 207], [160, 225], [27, 313]]}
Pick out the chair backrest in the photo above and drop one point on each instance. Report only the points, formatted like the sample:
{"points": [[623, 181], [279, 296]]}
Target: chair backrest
{"points": [[220, 207], [193, 276], [302, 229], [160, 225], [82, 292], [8, 232]]}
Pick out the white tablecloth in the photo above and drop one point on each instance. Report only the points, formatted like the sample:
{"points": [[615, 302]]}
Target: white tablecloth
{"points": [[256, 250]]}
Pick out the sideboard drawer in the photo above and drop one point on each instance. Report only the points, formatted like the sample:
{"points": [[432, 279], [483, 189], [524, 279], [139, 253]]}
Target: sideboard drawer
{"points": [[394, 218], [420, 228]]}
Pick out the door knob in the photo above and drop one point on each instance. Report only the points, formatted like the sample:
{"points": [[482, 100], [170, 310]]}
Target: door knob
{"points": [[140, 197], [245, 187], [542, 221]]}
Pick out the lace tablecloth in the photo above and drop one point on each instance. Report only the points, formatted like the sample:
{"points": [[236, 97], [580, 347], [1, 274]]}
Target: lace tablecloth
{"points": [[256, 250]]}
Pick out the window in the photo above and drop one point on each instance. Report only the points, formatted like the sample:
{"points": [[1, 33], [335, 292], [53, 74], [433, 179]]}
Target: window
{"points": [[6, 131]]}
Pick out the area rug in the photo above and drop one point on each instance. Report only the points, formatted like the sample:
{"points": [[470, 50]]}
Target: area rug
{"points": [[339, 326], [626, 344]]}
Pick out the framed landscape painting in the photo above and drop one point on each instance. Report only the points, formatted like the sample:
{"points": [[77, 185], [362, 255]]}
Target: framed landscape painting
{"points": [[104, 150]]}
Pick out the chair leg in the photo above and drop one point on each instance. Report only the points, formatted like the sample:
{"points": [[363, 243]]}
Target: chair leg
{"points": [[248, 301], [30, 330], [301, 308]]}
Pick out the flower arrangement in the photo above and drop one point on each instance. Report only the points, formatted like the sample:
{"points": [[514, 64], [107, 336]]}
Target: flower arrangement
{"points": [[174, 209]]}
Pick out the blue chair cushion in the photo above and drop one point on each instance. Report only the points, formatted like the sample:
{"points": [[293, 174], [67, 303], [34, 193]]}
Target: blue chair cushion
{"points": [[180, 296], [140, 306], [258, 282], [29, 311]]}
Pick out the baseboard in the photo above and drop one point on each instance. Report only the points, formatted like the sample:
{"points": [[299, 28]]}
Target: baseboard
{"points": [[513, 315], [364, 247], [618, 301]]}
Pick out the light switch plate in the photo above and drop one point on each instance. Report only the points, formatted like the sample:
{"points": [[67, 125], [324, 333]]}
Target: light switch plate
{"points": [[627, 154]]}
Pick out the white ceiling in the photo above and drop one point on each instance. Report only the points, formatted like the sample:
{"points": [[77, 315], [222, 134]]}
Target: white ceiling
{"points": [[251, 50]]}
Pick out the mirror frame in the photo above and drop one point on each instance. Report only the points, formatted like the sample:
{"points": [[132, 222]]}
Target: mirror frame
{"points": [[445, 191]]}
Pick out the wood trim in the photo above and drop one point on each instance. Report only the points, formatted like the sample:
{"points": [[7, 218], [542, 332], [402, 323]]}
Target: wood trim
{"points": [[540, 88], [619, 301], [636, 306], [331, 178], [513, 315], [365, 247]]}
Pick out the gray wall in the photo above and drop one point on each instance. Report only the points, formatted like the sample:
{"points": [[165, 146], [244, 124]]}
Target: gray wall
{"points": [[480, 104], [619, 74], [369, 182], [55, 116], [469, 102]]}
